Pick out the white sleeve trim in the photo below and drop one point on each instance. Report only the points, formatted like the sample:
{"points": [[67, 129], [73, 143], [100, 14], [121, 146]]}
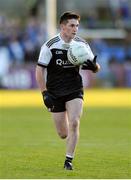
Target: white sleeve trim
{"points": [[45, 55]]}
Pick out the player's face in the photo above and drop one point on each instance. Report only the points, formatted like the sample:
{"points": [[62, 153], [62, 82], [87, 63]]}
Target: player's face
{"points": [[70, 29]]}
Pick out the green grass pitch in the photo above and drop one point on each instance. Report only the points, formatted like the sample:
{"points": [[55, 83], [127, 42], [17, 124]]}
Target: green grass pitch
{"points": [[30, 147]]}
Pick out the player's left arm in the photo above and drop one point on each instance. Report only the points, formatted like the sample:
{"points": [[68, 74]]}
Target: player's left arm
{"points": [[91, 65]]}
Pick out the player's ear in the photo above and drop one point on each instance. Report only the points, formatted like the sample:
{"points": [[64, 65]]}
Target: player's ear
{"points": [[61, 26]]}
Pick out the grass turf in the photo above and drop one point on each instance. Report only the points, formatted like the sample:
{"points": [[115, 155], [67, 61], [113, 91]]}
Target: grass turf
{"points": [[30, 147]]}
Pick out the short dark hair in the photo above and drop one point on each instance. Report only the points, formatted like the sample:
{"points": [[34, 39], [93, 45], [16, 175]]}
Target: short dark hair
{"points": [[69, 15]]}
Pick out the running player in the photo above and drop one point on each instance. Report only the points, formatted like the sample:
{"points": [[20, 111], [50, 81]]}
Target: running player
{"points": [[61, 84]]}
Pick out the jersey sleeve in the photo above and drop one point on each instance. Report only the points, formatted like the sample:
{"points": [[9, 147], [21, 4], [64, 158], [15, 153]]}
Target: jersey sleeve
{"points": [[44, 56]]}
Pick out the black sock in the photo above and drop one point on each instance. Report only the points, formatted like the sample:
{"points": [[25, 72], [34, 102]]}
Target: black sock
{"points": [[69, 159]]}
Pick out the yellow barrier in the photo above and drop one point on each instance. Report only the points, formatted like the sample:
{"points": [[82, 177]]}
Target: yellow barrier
{"points": [[92, 97]]}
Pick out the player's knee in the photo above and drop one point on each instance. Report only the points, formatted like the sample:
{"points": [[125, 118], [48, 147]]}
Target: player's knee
{"points": [[62, 135], [74, 124]]}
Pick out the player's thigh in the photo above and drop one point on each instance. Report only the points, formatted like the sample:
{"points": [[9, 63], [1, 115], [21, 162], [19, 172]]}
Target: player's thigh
{"points": [[61, 123], [74, 109]]}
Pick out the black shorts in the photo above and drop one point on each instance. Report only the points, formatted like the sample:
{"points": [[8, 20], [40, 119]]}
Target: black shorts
{"points": [[59, 103]]}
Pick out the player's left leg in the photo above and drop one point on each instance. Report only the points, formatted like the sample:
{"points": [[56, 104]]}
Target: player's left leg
{"points": [[74, 110]]}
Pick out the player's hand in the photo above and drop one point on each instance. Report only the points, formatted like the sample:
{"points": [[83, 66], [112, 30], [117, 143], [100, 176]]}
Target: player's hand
{"points": [[48, 100], [91, 65]]}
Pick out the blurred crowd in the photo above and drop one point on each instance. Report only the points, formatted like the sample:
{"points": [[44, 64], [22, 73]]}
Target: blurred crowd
{"points": [[115, 14], [115, 60], [20, 44]]}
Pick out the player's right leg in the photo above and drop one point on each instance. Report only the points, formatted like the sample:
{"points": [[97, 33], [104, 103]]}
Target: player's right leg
{"points": [[61, 123]]}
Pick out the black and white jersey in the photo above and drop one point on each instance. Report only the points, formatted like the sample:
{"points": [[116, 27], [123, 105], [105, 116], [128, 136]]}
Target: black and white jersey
{"points": [[63, 78]]}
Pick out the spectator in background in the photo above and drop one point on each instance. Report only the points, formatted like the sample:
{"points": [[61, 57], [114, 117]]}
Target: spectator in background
{"points": [[102, 49], [127, 68], [125, 10], [34, 36], [116, 72], [16, 50], [92, 19], [4, 59]]}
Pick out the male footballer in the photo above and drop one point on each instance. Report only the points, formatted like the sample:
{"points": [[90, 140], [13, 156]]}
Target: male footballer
{"points": [[61, 84]]}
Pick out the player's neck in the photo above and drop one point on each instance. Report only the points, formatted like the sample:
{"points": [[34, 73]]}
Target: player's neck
{"points": [[65, 38]]}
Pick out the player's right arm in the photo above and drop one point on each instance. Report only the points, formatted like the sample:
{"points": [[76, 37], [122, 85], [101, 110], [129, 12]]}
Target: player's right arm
{"points": [[47, 98], [40, 78], [43, 61]]}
